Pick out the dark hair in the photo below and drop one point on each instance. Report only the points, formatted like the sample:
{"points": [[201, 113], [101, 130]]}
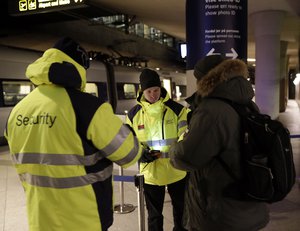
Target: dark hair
{"points": [[74, 50], [203, 66]]}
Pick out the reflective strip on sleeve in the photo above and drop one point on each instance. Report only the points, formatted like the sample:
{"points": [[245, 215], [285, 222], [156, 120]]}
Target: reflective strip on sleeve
{"points": [[131, 155], [118, 140], [57, 159], [67, 182]]}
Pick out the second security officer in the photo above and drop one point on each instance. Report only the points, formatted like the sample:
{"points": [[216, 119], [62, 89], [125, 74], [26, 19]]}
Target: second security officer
{"points": [[158, 121]]}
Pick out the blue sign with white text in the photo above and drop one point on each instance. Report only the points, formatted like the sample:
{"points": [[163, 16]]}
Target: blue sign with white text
{"points": [[216, 27]]}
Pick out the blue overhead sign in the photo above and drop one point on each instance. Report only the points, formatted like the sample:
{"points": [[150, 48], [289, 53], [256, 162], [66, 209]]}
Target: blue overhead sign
{"points": [[216, 27], [24, 7]]}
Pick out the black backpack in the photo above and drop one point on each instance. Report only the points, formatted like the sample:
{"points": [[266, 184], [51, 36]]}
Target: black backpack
{"points": [[267, 158]]}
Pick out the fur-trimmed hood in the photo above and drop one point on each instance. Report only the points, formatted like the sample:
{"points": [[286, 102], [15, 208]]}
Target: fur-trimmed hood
{"points": [[227, 80]]}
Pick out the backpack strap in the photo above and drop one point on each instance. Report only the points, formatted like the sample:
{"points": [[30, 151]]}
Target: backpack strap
{"points": [[240, 110]]}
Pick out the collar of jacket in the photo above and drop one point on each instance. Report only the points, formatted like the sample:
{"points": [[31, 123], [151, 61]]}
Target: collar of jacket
{"points": [[193, 100], [38, 71]]}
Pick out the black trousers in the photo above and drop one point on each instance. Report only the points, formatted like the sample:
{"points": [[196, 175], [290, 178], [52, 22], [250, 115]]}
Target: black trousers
{"points": [[154, 197]]}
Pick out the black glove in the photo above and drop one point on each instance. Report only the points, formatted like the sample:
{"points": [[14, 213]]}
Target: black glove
{"points": [[147, 156]]}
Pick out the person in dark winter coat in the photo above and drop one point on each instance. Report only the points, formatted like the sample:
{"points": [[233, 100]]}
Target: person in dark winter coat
{"points": [[214, 131]]}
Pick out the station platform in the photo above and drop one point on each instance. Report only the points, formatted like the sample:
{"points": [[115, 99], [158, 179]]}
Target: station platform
{"points": [[285, 215]]}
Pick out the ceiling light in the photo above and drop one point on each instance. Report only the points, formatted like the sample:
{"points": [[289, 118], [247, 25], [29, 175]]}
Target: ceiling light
{"points": [[251, 60]]}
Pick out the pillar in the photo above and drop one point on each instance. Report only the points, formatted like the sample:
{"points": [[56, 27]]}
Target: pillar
{"points": [[283, 97], [267, 27]]}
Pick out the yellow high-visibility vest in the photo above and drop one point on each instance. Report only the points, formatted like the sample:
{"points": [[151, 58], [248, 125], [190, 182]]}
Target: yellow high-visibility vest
{"points": [[157, 126], [63, 149]]}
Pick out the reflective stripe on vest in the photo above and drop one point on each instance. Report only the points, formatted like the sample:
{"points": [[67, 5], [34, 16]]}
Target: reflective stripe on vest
{"points": [[57, 159], [67, 182], [164, 142], [118, 140], [74, 159], [131, 155]]}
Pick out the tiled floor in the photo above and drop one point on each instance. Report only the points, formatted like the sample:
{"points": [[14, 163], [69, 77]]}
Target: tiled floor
{"points": [[285, 215]]}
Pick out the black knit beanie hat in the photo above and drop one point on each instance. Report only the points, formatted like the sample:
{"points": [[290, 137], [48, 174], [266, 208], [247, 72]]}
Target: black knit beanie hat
{"points": [[74, 50], [149, 78], [203, 66]]}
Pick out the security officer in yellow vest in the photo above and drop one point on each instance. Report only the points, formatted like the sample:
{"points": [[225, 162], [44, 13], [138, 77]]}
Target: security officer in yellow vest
{"points": [[63, 143], [158, 121]]}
